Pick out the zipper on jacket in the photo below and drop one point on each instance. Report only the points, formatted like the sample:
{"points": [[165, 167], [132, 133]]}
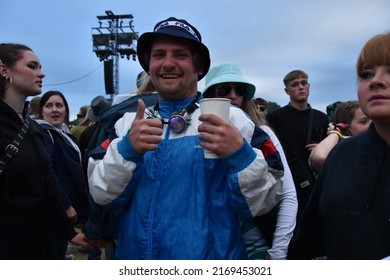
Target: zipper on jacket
{"points": [[154, 197]]}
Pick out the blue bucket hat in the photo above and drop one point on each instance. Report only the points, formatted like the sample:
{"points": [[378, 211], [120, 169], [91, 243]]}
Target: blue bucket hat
{"points": [[227, 73], [176, 28]]}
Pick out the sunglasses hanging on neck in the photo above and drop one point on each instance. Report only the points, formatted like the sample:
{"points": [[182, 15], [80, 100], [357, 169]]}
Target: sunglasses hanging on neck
{"points": [[179, 120]]}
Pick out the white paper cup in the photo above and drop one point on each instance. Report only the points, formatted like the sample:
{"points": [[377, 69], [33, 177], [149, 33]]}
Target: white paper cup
{"points": [[216, 106]]}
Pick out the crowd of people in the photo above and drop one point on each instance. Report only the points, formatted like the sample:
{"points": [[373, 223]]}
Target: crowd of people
{"points": [[130, 177]]}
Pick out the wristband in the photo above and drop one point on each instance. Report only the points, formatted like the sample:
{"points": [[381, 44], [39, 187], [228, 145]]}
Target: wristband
{"points": [[341, 137]]}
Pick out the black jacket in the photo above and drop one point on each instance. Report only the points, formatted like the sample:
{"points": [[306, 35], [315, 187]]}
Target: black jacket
{"points": [[68, 170], [29, 203], [348, 215]]}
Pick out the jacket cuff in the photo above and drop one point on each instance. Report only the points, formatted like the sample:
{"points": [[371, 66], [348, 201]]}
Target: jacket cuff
{"points": [[241, 158], [125, 148]]}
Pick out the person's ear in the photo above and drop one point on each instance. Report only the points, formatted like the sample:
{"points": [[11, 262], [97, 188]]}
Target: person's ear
{"points": [[3, 70]]}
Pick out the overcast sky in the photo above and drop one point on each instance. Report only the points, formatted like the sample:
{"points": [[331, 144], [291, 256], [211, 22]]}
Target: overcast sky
{"points": [[267, 39]]}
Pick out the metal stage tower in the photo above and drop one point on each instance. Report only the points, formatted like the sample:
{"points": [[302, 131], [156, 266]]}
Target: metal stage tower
{"points": [[115, 37]]}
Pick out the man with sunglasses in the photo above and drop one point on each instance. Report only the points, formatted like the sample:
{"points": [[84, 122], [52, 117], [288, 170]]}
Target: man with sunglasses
{"points": [[299, 128], [176, 203]]}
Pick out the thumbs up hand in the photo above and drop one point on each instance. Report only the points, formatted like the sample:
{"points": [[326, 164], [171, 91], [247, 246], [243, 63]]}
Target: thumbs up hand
{"points": [[145, 134]]}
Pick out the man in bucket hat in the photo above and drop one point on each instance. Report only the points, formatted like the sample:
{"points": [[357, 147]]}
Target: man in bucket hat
{"points": [[178, 204]]}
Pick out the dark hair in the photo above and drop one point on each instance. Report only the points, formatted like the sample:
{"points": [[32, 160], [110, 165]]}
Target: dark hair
{"points": [[330, 109], [49, 94], [344, 113], [260, 101], [9, 55]]}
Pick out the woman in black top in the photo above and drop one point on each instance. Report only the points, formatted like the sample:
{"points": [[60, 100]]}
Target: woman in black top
{"points": [[31, 213]]}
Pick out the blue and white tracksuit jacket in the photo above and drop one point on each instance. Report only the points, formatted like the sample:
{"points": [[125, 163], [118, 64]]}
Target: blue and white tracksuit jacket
{"points": [[177, 204]]}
